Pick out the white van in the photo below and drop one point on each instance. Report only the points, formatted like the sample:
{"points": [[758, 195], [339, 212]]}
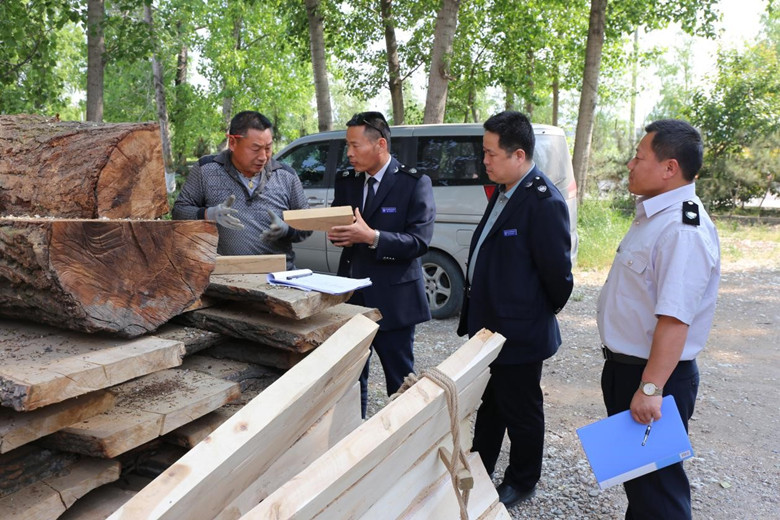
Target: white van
{"points": [[451, 155]]}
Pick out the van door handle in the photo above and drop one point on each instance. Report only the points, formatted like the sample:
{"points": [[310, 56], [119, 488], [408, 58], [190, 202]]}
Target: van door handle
{"points": [[314, 201]]}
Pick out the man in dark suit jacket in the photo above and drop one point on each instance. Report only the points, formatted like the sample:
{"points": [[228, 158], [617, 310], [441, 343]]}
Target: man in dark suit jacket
{"points": [[394, 214], [519, 278]]}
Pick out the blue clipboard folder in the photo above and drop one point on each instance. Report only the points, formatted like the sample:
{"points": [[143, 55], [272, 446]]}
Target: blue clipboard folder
{"points": [[614, 445]]}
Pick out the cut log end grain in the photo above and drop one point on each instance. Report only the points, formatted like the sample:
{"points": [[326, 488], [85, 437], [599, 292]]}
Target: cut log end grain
{"points": [[118, 276]]}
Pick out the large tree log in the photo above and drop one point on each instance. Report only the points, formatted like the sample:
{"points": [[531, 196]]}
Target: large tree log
{"points": [[80, 170], [118, 276]]}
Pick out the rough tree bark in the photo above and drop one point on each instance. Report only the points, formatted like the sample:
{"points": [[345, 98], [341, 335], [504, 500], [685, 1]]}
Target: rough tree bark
{"points": [[118, 276], [590, 85], [438, 81], [70, 169]]}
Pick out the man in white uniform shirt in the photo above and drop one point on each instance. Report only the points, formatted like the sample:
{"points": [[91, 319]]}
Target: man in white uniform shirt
{"points": [[657, 305]]}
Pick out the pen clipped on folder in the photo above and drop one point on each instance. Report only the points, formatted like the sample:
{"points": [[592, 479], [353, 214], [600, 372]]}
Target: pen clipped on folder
{"points": [[647, 431], [295, 276]]}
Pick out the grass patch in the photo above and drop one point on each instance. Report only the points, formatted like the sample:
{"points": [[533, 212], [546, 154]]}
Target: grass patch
{"points": [[601, 228]]}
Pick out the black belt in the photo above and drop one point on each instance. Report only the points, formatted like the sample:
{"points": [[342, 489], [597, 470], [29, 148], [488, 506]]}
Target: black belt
{"points": [[625, 359]]}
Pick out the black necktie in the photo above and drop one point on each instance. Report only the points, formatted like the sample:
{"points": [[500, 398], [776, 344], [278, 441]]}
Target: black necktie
{"points": [[369, 193]]}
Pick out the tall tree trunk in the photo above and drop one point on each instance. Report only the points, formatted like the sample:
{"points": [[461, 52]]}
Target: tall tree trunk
{"points": [[529, 100], [96, 47], [159, 94], [181, 60], [590, 83], [227, 101], [317, 45], [438, 81], [393, 63], [509, 103], [556, 92], [634, 74]]}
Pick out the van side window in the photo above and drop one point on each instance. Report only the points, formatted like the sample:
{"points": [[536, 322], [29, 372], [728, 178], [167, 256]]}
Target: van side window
{"points": [[452, 161], [310, 161]]}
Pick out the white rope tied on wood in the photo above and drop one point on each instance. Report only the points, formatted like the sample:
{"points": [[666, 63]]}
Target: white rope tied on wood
{"points": [[457, 465]]}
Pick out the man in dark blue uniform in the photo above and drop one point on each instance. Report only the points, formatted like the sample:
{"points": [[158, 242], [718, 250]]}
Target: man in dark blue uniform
{"points": [[394, 214], [519, 278]]}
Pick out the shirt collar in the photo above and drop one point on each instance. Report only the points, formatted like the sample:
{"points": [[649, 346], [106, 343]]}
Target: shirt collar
{"points": [[657, 203], [381, 173], [508, 193]]}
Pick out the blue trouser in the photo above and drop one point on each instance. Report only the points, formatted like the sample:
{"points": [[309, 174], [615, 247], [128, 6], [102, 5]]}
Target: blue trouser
{"points": [[665, 493], [512, 403], [396, 353]]}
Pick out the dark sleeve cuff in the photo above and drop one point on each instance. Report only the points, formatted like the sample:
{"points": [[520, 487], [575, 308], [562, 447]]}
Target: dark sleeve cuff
{"points": [[201, 213]]}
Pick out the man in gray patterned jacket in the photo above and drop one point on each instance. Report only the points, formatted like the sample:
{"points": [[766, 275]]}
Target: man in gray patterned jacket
{"points": [[245, 191]]}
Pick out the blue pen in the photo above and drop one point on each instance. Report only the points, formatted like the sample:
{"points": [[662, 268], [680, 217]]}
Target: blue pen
{"points": [[647, 431]]}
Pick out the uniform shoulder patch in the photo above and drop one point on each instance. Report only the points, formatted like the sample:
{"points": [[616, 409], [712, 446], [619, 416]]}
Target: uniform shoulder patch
{"points": [[206, 159], [690, 213], [410, 171], [540, 187]]}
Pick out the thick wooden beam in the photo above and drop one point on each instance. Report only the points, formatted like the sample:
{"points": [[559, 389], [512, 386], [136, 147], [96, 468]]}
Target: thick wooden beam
{"points": [[71, 169], [19, 428], [41, 365], [319, 219], [250, 264], [282, 301], [218, 469], [412, 419], [248, 322], [146, 408], [125, 277]]}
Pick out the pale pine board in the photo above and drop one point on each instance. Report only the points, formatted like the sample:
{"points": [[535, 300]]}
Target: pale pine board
{"points": [[282, 301], [146, 408], [342, 467], [217, 470], [249, 264], [333, 426], [41, 365]]}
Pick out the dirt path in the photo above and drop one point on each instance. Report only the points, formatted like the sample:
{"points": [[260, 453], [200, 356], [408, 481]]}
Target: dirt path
{"points": [[735, 430]]}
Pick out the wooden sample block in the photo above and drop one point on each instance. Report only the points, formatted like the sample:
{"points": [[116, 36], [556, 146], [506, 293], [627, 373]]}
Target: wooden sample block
{"points": [[211, 475], [146, 408], [319, 219], [18, 428], [249, 264], [123, 277], [41, 365], [282, 301], [247, 322], [47, 499]]}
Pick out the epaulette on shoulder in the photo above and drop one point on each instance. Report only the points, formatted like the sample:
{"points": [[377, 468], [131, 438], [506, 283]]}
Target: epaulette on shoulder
{"points": [[206, 159], [410, 171], [539, 186], [690, 213], [348, 173]]}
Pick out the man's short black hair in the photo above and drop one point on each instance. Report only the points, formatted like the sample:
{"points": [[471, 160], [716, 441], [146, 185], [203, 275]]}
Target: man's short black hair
{"points": [[514, 132], [675, 139], [248, 119], [375, 123]]}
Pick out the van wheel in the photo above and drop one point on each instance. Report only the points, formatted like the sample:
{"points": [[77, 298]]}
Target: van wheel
{"points": [[443, 284]]}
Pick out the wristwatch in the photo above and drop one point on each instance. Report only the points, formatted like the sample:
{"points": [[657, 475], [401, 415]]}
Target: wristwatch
{"points": [[376, 240], [650, 389]]}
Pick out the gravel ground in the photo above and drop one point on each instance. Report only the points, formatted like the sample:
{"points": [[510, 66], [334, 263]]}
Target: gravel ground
{"points": [[735, 473]]}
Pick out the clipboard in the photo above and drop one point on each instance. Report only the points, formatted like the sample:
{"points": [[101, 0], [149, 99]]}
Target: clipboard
{"points": [[308, 280], [614, 445]]}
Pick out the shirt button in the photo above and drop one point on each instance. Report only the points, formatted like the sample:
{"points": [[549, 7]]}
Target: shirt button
{"points": [[630, 262]]}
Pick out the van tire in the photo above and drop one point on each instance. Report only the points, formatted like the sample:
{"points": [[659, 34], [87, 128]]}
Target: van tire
{"points": [[443, 284]]}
